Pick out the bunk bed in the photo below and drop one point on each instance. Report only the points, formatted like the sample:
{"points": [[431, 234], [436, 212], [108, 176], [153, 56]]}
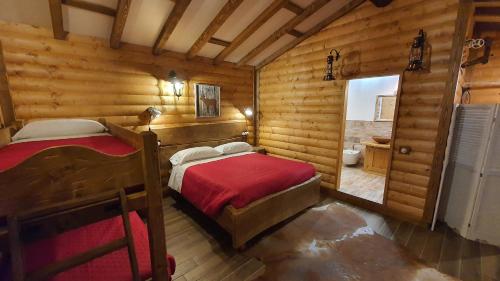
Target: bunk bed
{"points": [[245, 221], [61, 185]]}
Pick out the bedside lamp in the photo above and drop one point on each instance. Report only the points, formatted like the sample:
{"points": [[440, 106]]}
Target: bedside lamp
{"points": [[152, 113]]}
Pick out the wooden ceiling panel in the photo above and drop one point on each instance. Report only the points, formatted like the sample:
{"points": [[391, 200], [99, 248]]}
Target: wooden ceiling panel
{"points": [[144, 32], [210, 50], [214, 26], [284, 29], [242, 17], [85, 22], [175, 13], [268, 28], [283, 41], [196, 18], [246, 31], [320, 15], [91, 6], [302, 3]]}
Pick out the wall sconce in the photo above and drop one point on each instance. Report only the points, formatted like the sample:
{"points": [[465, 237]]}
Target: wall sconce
{"points": [[177, 84], [329, 65], [152, 113], [416, 58], [248, 112]]}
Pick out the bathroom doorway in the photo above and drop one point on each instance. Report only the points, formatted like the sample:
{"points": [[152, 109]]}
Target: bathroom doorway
{"points": [[367, 132]]}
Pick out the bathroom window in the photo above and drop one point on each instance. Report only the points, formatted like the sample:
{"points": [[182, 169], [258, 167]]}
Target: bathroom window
{"points": [[384, 108]]}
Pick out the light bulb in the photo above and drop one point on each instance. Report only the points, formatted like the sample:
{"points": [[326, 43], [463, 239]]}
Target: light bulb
{"points": [[248, 112]]}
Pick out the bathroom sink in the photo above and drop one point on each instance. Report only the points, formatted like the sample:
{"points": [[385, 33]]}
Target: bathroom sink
{"points": [[381, 140]]}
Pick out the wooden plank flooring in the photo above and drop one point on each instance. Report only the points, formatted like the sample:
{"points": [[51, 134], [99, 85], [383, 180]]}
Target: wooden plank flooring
{"points": [[203, 252], [202, 255]]}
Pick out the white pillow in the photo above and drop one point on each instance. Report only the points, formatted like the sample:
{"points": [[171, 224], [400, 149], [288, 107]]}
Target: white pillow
{"points": [[59, 128], [234, 147], [191, 154]]}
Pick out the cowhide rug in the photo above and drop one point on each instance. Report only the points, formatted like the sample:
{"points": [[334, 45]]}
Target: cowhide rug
{"points": [[334, 243]]}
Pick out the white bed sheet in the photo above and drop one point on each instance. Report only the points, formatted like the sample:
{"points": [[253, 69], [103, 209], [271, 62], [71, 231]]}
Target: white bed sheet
{"points": [[61, 137], [177, 174]]}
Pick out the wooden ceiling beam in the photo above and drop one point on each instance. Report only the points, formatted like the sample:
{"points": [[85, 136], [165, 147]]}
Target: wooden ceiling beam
{"points": [[55, 7], [487, 4], [173, 19], [90, 7], [119, 23], [294, 8], [351, 5], [251, 28], [485, 18], [212, 28], [295, 33], [285, 29], [381, 3], [219, 42]]}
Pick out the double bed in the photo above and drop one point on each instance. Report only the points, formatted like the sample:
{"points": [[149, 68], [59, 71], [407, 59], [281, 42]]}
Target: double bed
{"points": [[244, 192]]}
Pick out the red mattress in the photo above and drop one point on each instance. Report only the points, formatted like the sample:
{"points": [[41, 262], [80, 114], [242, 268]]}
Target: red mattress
{"points": [[240, 180], [114, 266], [14, 154]]}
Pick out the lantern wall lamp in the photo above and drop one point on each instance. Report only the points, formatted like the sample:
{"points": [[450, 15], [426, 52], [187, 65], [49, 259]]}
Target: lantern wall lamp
{"points": [[416, 58], [329, 64], [177, 84]]}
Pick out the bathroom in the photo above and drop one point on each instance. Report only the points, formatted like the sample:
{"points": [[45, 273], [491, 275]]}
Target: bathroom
{"points": [[370, 105]]}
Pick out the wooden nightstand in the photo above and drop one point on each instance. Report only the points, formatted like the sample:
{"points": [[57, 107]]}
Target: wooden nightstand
{"points": [[259, 149]]}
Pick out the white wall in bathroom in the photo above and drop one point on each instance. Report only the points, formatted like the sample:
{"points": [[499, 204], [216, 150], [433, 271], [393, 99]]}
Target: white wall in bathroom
{"points": [[362, 95]]}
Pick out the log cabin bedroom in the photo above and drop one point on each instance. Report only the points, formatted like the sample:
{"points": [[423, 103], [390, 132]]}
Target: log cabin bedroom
{"points": [[235, 140]]}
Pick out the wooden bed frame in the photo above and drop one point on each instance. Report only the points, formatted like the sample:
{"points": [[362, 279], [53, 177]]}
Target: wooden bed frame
{"points": [[71, 177], [245, 223]]}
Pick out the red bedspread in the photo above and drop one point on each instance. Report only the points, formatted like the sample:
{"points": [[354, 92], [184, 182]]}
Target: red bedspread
{"points": [[114, 266], [240, 180], [14, 154]]}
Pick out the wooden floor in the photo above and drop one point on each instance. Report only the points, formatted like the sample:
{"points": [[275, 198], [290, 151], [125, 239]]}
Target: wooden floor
{"points": [[203, 252], [359, 183], [201, 255]]}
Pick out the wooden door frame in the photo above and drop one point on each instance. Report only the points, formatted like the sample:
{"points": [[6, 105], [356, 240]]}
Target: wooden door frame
{"points": [[365, 203]]}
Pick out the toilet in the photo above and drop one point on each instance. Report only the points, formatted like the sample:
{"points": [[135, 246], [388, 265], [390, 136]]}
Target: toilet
{"points": [[351, 157]]}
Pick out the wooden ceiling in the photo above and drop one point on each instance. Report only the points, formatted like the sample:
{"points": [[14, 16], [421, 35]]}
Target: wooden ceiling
{"points": [[486, 16], [245, 32]]}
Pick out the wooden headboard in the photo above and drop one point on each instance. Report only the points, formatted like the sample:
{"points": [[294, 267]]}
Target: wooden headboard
{"points": [[174, 139]]}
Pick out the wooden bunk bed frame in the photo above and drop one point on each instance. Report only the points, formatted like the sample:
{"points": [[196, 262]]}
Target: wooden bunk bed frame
{"points": [[245, 223], [77, 176]]}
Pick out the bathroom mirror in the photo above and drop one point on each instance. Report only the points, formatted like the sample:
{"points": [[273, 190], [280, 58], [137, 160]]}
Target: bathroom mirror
{"points": [[384, 108]]}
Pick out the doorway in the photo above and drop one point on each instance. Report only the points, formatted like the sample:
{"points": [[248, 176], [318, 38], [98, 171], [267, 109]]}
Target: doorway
{"points": [[370, 106]]}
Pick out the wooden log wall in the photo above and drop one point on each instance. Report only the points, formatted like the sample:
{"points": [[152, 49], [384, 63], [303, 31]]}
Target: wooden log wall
{"points": [[83, 77], [482, 79], [301, 114], [6, 107]]}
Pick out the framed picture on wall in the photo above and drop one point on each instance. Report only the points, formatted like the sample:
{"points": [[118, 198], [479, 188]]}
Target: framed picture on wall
{"points": [[207, 100]]}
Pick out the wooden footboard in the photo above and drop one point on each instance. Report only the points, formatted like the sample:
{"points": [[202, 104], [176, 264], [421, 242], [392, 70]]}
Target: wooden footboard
{"points": [[245, 223]]}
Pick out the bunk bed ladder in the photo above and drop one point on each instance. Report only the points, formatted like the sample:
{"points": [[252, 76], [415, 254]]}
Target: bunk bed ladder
{"points": [[18, 274]]}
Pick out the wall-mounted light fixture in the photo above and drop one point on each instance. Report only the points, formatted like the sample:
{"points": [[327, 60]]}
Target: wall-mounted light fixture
{"points": [[177, 84], [152, 114], [248, 112], [329, 65], [416, 58]]}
